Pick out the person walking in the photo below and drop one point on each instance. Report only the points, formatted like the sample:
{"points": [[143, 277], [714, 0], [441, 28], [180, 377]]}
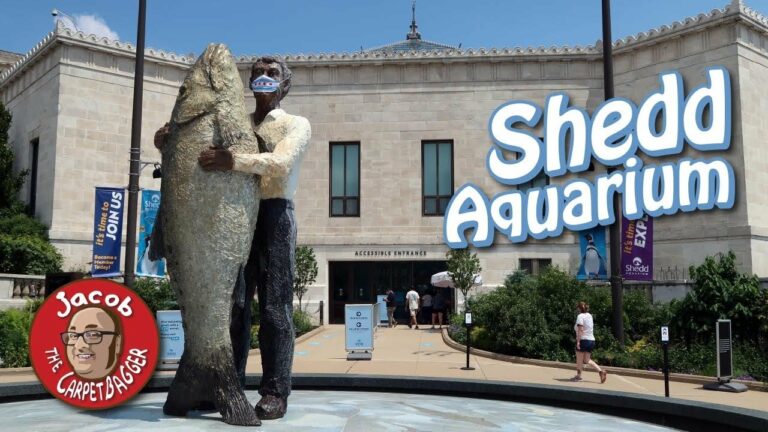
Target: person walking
{"points": [[391, 305], [438, 309], [585, 343], [426, 308], [412, 299]]}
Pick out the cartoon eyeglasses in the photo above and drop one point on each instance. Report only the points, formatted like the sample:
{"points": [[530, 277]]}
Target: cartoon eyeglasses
{"points": [[90, 336]]}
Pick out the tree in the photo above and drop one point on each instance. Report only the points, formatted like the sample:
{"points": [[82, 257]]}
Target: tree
{"points": [[24, 245], [720, 292], [306, 271], [10, 183], [463, 266]]}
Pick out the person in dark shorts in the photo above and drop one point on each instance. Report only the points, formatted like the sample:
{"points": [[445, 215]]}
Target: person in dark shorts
{"points": [[391, 305], [585, 343], [438, 309]]}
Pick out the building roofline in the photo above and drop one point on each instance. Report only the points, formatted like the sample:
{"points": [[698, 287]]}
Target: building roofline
{"points": [[63, 34], [735, 9], [441, 46]]}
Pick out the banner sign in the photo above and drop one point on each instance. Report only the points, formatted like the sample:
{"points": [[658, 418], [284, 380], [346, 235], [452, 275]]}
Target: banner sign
{"points": [[637, 249], [593, 264], [171, 335], [150, 204], [358, 321], [107, 232]]}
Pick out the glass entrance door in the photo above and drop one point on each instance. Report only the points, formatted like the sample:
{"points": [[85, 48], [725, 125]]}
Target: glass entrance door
{"points": [[359, 282]]}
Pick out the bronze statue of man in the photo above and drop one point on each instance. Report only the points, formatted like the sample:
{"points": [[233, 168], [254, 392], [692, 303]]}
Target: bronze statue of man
{"points": [[283, 140]]}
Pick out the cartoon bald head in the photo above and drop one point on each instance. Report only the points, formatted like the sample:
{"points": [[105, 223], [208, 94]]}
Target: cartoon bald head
{"points": [[93, 342]]}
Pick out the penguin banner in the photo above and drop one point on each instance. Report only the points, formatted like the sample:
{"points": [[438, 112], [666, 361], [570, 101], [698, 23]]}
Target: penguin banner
{"points": [[594, 261], [150, 204]]}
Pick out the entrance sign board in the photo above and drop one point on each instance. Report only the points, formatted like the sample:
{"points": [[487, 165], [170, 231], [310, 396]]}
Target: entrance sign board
{"points": [[171, 337], [382, 309], [359, 325]]}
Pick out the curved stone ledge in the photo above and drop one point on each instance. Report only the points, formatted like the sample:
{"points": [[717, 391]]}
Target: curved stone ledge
{"points": [[676, 413], [639, 373]]}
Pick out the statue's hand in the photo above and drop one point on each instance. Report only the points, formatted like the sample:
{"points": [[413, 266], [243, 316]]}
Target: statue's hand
{"points": [[216, 159], [161, 135]]}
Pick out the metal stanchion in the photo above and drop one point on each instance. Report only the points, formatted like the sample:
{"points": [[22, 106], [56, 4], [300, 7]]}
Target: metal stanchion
{"points": [[468, 325]]}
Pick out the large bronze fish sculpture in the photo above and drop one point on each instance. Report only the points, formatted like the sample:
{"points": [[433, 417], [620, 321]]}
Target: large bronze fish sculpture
{"points": [[206, 224]]}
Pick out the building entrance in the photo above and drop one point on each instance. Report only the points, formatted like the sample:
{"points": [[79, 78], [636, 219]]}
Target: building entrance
{"points": [[359, 282]]}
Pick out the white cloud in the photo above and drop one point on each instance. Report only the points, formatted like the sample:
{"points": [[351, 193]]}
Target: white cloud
{"points": [[89, 24]]}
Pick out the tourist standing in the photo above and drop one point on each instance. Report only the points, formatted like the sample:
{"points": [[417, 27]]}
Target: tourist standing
{"points": [[438, 309], [585, 343], [391, 305], [426, 308], [412, 300]]}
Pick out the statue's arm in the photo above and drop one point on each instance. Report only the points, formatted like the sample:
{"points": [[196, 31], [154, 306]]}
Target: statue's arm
{"points": [[279, 162]]}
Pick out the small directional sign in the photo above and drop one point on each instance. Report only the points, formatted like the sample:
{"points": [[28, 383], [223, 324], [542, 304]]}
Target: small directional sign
{"points": [[665, 334]]}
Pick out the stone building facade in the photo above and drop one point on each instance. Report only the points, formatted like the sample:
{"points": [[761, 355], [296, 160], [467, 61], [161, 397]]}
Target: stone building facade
{"points": [[7, 60], [72, 95]]}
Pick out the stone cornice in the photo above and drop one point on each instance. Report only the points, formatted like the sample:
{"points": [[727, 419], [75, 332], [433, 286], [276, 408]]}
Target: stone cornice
{"points": [[735, 10], [65, 35]]}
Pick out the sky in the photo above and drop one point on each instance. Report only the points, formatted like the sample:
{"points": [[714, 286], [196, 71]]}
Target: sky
{"points": [[324, 26]]}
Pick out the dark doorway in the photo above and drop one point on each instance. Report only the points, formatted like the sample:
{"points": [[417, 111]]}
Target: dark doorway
{"points": [[359, 282]]}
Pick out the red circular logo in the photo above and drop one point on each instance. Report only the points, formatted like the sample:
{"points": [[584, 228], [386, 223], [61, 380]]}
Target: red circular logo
{"points": [[94, 344]]}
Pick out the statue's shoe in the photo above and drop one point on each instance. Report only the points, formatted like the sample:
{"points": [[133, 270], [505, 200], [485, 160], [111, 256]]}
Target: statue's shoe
{"points": [[271, 407]]}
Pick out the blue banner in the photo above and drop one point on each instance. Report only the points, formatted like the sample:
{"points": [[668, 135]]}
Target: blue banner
{"points": [[593, 263], [107, 232], [150, 204]]}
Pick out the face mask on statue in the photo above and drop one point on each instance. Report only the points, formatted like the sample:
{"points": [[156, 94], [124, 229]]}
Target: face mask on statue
{"points": [[265, 84]]}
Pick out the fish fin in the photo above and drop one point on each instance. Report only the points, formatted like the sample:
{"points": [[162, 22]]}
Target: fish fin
{"points": [[239, 293], [157, 243]]}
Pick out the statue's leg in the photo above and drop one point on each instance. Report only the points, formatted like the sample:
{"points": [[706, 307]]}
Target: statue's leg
{"points": [[277, 234], [240, 327]]}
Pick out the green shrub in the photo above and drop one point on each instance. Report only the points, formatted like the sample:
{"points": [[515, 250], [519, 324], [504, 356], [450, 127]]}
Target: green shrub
{"points": [[721, 292], [157, 293], [750, 361], [14, 337], [302, 322], [456, 328], [254, 336], [20, 224], [28, 254], [533, 317]]}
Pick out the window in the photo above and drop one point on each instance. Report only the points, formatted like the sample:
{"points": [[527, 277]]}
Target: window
{"points": [[345, 179], [436, 176], [535, 266], [34, 154]]}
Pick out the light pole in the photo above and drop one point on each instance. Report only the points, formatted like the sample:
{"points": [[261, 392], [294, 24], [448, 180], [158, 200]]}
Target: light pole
{"points": [[617, 289], [56, 13], [133, 177]]}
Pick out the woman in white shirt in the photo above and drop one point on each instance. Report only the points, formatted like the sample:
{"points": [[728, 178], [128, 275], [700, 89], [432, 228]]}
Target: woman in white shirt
{"points": [[585, 343]]}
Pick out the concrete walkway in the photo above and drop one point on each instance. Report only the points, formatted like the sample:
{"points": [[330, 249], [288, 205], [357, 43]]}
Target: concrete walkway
{"points": [[408, 352], [402, 351]]}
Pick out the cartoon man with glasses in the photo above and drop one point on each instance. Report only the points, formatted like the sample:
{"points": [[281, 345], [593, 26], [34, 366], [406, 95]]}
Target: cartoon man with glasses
{"points": [[93, 342]]}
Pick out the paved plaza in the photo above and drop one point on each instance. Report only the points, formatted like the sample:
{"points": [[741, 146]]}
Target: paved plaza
{"points": [[408, 352]]}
